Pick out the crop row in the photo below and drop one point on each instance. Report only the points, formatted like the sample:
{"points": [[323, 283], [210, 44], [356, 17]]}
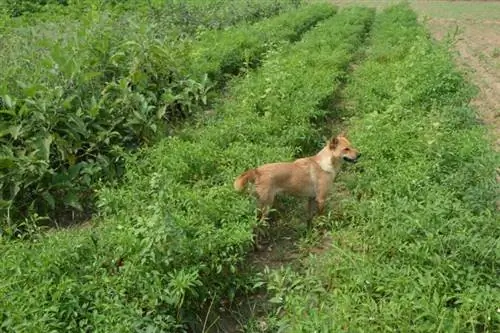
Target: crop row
{"points": [[174, 237], [220, 53], [70, 112], [195, 15], [188, 16], [418, 250]]}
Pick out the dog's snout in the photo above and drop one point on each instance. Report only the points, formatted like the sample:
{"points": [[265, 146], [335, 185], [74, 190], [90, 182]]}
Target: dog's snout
{"points": [[359, 155]]}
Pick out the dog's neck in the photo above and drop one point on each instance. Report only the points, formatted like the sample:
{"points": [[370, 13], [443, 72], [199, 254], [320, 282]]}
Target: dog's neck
{"points": [[326, 162]]}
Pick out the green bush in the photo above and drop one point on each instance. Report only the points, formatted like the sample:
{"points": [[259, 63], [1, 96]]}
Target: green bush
{"points": [[16, 8], [188, 15], [174, 237], [418, 250], [72, 108], [220, 53]]}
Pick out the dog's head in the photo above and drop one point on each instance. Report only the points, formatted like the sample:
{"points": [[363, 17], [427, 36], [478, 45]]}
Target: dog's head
{"points": [[343, 149]]}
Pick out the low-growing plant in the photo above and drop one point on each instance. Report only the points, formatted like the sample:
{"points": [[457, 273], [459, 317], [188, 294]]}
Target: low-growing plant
{"points": [[419, 251]]}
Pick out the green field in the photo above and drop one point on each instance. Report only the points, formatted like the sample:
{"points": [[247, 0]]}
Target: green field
{"points": [[131, 121]]}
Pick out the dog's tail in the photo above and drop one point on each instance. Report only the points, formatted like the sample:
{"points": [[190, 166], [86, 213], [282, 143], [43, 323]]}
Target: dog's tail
{"points": [[244, 178]]}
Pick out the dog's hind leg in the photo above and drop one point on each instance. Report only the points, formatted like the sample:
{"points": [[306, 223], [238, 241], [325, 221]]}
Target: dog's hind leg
{"points": [[312, 209], [265, 198], [264, 208], [321, 205], [265, 201]]}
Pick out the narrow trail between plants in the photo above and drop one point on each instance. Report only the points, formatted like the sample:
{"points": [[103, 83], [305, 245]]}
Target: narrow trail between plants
{"points": [[288, 243]]}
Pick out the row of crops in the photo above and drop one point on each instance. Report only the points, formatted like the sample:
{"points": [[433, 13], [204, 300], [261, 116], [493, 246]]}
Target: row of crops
{"points": [[418, 249], [414, 246], [74, 97], [188, 234], [187, 16]]}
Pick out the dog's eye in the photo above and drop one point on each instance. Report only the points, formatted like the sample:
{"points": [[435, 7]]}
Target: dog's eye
{"points": [[346, 149]]}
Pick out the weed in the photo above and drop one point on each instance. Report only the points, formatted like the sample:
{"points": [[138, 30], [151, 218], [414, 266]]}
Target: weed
{"points": [[496, 52]]}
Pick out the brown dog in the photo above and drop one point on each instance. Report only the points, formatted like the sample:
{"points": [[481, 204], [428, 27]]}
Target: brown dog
{"points": [[309, 177]]}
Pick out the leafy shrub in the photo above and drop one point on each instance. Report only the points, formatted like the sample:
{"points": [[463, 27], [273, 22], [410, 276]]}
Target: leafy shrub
{"points": [[95, 91], [174, 237], [420, 252], [19, 7], [188, 15]]}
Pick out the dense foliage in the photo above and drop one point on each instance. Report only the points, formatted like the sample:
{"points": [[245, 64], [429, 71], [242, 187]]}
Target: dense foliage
{"points": [[414, 242], [103, 86], [174, 237], [187, 16]]}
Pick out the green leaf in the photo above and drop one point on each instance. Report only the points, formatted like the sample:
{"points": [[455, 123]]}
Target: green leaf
{"points": [[72, 200], [49, 198], [160, 112], [9, 112], [6, 162], [74, 170], [91, 75], [46, 142], [15, 131], [32, 90], [67, 102], [42, 147], [5, 203], [94, 107], [7, 101]]}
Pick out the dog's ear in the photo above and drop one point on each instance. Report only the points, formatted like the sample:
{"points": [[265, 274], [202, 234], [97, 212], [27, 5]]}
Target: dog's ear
{"points": [[334, 142]]}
